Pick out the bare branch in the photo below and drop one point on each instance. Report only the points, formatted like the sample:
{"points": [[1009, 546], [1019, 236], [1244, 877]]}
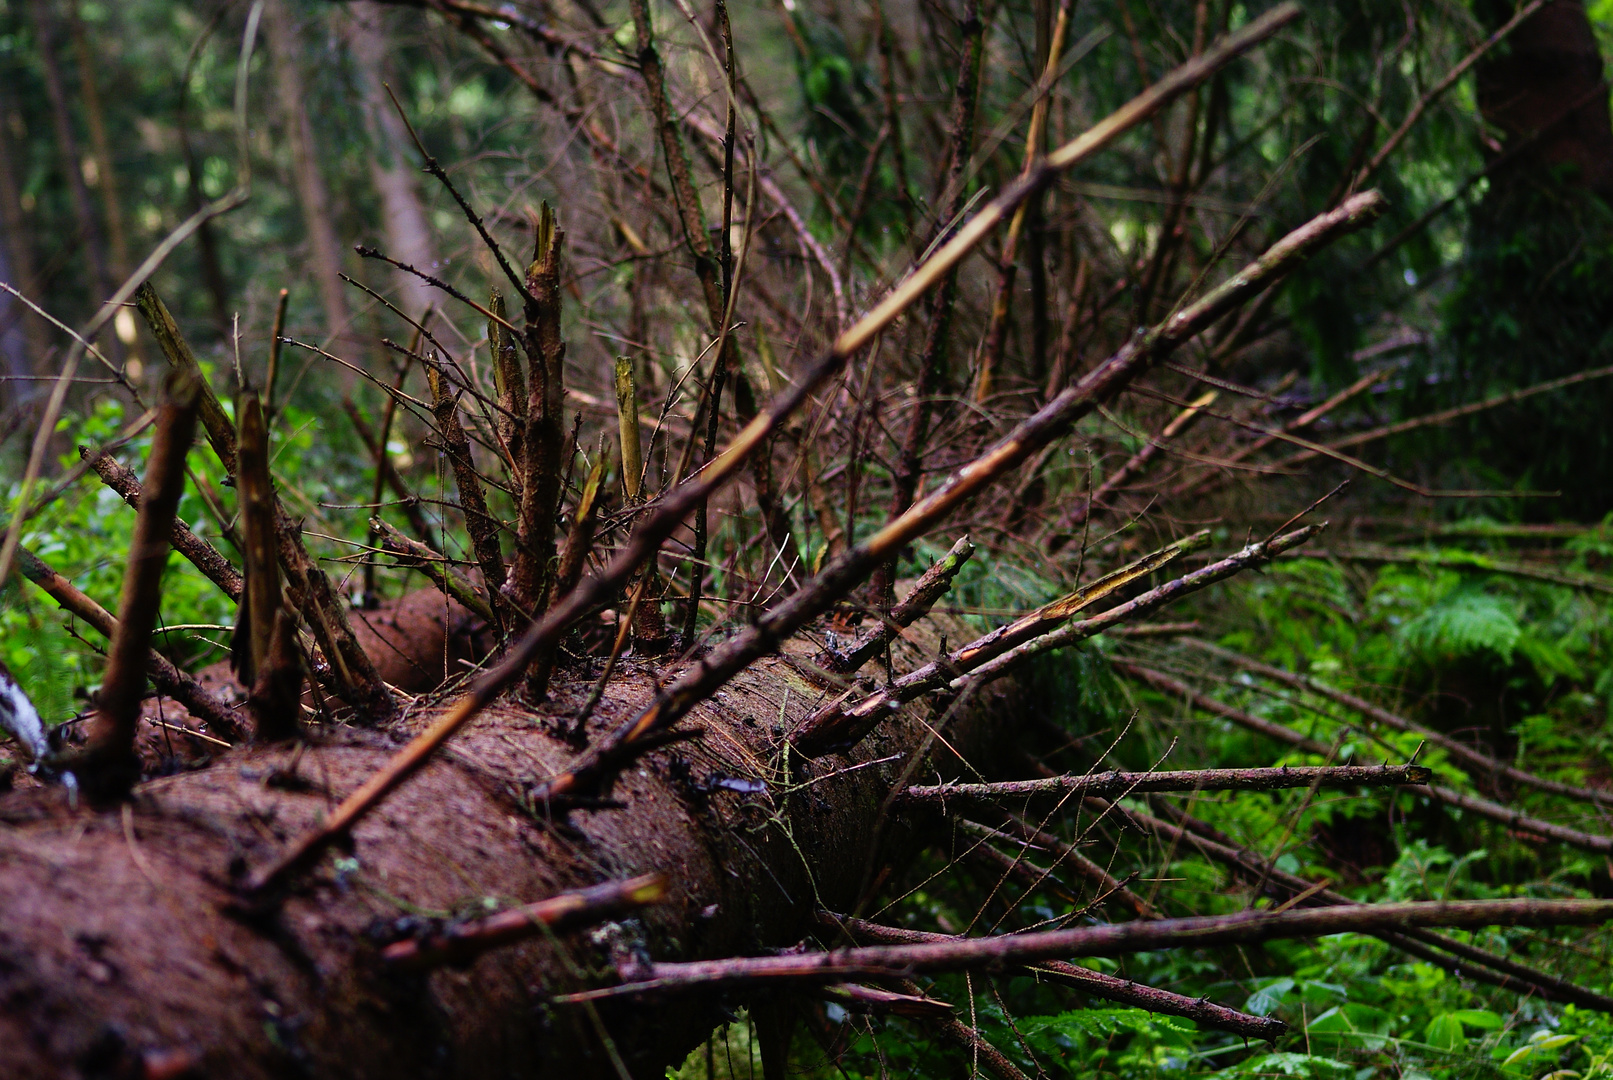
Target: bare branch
{"points": [[1114, 939], [1117, 783], [460, 943]]}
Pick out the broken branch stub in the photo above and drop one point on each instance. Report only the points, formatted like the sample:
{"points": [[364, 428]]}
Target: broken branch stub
{"points": [[545, 437], [260, 602], [109, 767]]}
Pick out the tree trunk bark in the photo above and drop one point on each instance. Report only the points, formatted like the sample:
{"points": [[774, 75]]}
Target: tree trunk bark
{"points": [[1549, 63], [22, 337], [312, 191], [408, 234], [124, 952]]}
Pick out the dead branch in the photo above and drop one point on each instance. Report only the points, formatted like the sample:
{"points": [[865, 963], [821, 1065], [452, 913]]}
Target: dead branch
{"points": [[1119, 784], [1069, 406], [481, 526], [458, 944], [1207, 841], [995, 953], [1522, 824], [260, 602], [434, 565], [108, 766], [1108, 987], [168, 679], [835, 725], [544, 439], [930, 587], [1459, 750], [201, 554]]}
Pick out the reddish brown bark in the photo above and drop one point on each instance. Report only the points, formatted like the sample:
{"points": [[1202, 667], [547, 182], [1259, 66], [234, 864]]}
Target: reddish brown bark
{"points": [[1550, 61], [123, 946]]}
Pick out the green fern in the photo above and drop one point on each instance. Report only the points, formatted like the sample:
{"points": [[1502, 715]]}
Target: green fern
{"points": [[1465, 623]]}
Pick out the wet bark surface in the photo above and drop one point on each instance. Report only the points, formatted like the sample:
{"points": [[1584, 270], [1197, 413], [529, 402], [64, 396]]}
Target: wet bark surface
{"points": [[125, 951]]}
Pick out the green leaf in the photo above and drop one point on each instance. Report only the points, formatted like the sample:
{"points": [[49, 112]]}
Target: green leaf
{"points": [[1483, 1019], [1264, 1001], [1444, 1032], [1304, 1066], [1465, 623], [1352, 1024]]}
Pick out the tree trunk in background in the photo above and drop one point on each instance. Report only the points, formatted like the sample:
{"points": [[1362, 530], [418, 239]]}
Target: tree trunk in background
{"points": [[324, 251], [1534, 300], [100, 286], [106, 178], [13, 317], [1549, 63], [408, 233], [22, 335]]}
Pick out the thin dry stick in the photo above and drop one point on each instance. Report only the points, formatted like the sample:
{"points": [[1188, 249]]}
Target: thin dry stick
{"points": [[1446, 415], [1354, 462], [1112, 620], [272, 376], [653, 530], [386, 472], [383, 460], [109, 767], [435, 169], [168, 679], [510, 383], [578, 542], [1114, 939], [260, 603], [460, 943], [1119, 783], [426, 559], [1476, 759], [201, 554], [965, 1038], [930, 587], [868, 999], [627, 424], [1068, 855], [1108, 987], [1522, 824], [482, 526], [834, 727], [1310, 416], [1214, 845], [1136, 463], [1109, 886]]}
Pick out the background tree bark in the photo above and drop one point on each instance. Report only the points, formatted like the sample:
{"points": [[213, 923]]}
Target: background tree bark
{"points": [[312, 192], [1550, 62]]}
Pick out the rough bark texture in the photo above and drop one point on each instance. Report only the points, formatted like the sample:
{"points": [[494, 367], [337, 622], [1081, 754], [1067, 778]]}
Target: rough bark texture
{"points": [[1550, 62], [120, 947]]}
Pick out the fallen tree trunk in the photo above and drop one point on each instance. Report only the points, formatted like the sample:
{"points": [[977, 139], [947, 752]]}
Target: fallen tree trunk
{"points": [[124, 950]]}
